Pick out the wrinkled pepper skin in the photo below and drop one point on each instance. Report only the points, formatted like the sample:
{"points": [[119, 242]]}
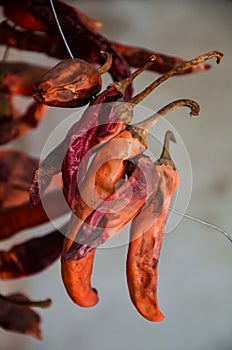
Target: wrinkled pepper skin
{"points": [[146, 236], [116, 211], [71, 83]]}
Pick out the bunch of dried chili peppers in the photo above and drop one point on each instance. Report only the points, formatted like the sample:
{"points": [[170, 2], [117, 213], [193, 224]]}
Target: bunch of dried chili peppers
{"points": [[119, 186]]}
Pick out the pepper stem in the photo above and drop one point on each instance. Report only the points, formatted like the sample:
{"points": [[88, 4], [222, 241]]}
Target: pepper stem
{"points": [[107, 65], [142, 128], [165, 156], [123, 84], [41, 303], [175, 71]]}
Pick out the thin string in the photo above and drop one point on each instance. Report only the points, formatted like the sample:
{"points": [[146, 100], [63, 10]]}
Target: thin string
{"points": [[60, 29], [203, 222], [5, 54]]}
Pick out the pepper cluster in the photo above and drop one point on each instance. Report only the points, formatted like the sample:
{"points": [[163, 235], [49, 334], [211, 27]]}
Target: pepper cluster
{"points": [[102, 205], [120, 185]]}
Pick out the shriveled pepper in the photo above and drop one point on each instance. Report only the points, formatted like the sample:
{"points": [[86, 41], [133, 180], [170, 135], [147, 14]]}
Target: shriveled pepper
{"points": [[76, 275], [31, 256], [96, 124], [146, 236], [117, 117], [96, 185], [117, 210], [19, 77], [52, 45], [71, 83]]}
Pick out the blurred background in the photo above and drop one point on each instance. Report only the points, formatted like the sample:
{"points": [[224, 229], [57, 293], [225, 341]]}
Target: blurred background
{"points": [[195, 279]]}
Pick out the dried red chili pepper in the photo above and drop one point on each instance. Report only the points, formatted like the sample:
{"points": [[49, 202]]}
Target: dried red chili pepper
{"points": [[76, 275], [91, 42], [19, 318], [19, 77], [52, 45], [21, 17], [94, 190], [24, 18], [97, 123], [117, 210], [31, 256], [15, 217], [83, 138], [17, 125], [71, 83], [136, 56], [77, 259], [16, 314], [146, 236], [16, 170]]}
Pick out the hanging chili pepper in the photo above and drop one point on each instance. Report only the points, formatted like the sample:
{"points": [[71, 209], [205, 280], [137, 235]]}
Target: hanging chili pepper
{"points": [[117, 210], [52, 45], [23, 17], [82, 138], [31, 256], [77, 260], [76, 274], [16, 215], [16, 170], [93, 191], [97, 123], [137, 56], [71, 83], [19, 318], [117, 116], [19, 77], [84, 28], [146, 236]]}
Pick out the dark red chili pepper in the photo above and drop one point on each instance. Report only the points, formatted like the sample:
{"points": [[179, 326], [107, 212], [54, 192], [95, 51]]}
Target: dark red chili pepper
{"points": [[71, 83], [21, 16], [19, 77], [91, 42], [16, 317], [31, 256], [52, 45]]}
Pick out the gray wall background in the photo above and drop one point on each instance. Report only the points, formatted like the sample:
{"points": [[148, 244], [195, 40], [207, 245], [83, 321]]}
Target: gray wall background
{"points": [[195, 279]]}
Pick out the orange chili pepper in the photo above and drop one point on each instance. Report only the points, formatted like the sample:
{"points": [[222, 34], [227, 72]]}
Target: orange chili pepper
{"points": [[70, 273], [96, 188], [76, 276], [146, 236]]}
